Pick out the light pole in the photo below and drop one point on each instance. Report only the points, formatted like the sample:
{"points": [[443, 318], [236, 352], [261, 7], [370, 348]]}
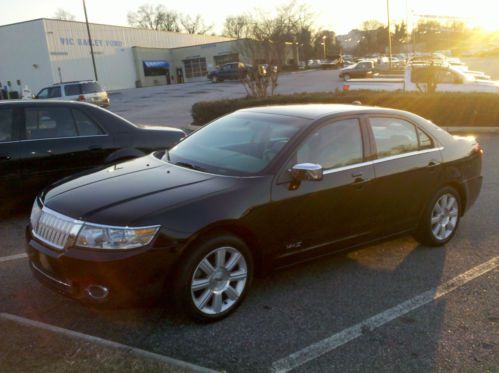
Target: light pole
{"points": [[90, 41], [324, 45], [389, 36]]}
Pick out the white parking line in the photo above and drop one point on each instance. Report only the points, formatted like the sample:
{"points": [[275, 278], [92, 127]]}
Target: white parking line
{"points": [[12, 257], [171, 362], [339, 339]]}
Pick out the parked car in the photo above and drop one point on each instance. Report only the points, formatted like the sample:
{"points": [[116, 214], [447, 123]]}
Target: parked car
{"points": [[258, 188], [362, 69], [43, 141], [415, 78], [87, 90], [230, 71]]}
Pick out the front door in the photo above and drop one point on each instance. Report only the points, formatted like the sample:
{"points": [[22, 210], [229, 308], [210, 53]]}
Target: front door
{"points": [[338, 208]]}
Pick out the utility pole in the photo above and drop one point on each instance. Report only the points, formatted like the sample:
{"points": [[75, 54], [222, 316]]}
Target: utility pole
{"points": [[324, 44], [389, 35], [90, 41]]}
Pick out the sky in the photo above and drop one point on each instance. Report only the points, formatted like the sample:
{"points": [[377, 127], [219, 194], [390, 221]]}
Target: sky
{"points": [[338, 15]]}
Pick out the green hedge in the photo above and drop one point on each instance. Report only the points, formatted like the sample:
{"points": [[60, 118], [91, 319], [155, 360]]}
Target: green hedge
{"points": [[442, 108]]}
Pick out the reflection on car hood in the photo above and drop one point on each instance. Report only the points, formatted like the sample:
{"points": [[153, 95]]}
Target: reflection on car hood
{"points": [[121, 194]]}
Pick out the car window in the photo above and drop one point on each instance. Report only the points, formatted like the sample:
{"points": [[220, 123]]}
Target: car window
{"points": [[91, 87], [393, 136], [6, 125], [44, 93], [72, 90], [85, 125], [54, 92], [425, 141], [334, 145], [45, 123]]}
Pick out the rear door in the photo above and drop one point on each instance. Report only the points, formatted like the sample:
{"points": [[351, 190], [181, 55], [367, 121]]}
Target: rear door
{"points": [[10, 151], [60, 141], [407, 168]]}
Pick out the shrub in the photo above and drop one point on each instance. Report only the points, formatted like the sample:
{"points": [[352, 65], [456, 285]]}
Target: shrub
{"points": [[442, 108]]}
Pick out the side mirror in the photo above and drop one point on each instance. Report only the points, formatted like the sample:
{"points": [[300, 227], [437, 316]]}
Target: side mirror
{"points": [[307, 171]]}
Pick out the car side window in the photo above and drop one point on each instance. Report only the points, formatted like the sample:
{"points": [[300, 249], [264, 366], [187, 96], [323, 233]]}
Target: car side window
{"points": [[6, 125], [85, 125], [44, 93], [72, 90], [46, 123], [393, 136], [334, 145], [425, 142]]}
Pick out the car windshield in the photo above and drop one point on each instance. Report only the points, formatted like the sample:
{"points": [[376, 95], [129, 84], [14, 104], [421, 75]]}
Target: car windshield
{"points": [[240, 144]]}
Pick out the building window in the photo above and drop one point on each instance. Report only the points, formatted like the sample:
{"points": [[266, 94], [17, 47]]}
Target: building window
{"points": [[155, 68], [226, 58], [195, 67]]}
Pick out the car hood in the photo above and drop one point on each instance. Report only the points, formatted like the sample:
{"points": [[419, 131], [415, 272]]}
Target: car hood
{"points": [[125, 193]]}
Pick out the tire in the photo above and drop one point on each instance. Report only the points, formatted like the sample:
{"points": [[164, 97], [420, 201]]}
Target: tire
{"points": [[214, 79], [203, 288], [346, 77], [440, 219]]}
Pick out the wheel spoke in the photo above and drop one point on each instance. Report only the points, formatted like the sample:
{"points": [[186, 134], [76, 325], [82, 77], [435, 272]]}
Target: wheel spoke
{"points": [[206, 266], [234, 259], [438, 208], [217, 302], [200, 284], [220, 257], [453, 213], [203, 300], [435, 220], [451, 203], [441, 232], [232, 293], [238, 276], [443, 201]]}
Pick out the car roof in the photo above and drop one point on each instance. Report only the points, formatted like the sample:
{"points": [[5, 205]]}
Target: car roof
{"points": [[315, 111], [46, 103]]}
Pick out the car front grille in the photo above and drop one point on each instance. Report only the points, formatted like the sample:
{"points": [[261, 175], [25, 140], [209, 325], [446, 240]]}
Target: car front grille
{"points": [[55, 229]]}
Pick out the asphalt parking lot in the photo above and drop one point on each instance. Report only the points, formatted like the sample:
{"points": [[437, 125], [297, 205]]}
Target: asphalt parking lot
{"points": [[396, 306], [171, 105]]}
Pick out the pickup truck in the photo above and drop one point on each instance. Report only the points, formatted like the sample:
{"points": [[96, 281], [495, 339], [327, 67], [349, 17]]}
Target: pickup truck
{"points": [[447, 79], [230, 71]]}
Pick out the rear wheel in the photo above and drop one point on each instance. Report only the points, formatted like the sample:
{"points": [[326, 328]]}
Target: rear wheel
{"points": [[440, 219], [346, 77], [214, 278]]}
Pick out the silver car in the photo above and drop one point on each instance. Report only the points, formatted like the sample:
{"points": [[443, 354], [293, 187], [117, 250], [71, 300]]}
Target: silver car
{"points": [[88, 91]]}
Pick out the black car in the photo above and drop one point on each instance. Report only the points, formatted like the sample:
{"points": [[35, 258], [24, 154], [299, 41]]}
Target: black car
{"points": [[230, 71], [256, 189], [43, 141]]}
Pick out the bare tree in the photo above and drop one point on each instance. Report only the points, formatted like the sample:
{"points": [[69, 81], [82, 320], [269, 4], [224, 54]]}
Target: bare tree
{"points": [[272, 36], [238, 27], [194, 25], [64, 15], [155, 18]]}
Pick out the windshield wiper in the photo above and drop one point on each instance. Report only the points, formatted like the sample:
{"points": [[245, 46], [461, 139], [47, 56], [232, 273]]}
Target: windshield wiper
{"points": [[190, 165]]}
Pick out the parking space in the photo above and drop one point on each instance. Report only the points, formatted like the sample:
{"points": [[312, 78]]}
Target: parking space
{"points": [[171, 104], [290, 311]]}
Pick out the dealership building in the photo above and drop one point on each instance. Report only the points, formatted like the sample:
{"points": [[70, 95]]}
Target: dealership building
{"points": [[42, 52]]}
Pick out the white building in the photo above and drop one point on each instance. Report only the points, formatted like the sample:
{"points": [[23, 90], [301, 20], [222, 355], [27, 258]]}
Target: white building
{"points": [[41, 52]]}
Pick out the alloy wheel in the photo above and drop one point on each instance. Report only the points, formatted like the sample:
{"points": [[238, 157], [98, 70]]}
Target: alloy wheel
{"points": [[219, 280], [444, 216]]}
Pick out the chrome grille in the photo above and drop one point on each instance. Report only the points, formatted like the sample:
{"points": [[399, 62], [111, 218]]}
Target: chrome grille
{"points": [[55, 229]]}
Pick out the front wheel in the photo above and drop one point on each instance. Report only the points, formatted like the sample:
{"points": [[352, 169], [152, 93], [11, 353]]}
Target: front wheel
{"points": [[214, 278], [440, 218]]}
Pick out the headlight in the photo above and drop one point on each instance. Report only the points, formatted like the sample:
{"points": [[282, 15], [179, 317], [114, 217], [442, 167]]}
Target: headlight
{"points": [[118, 238], [36, 212]]}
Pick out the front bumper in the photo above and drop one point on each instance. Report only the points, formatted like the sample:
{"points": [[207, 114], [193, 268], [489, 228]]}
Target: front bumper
{"points": [[130, 274]]}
